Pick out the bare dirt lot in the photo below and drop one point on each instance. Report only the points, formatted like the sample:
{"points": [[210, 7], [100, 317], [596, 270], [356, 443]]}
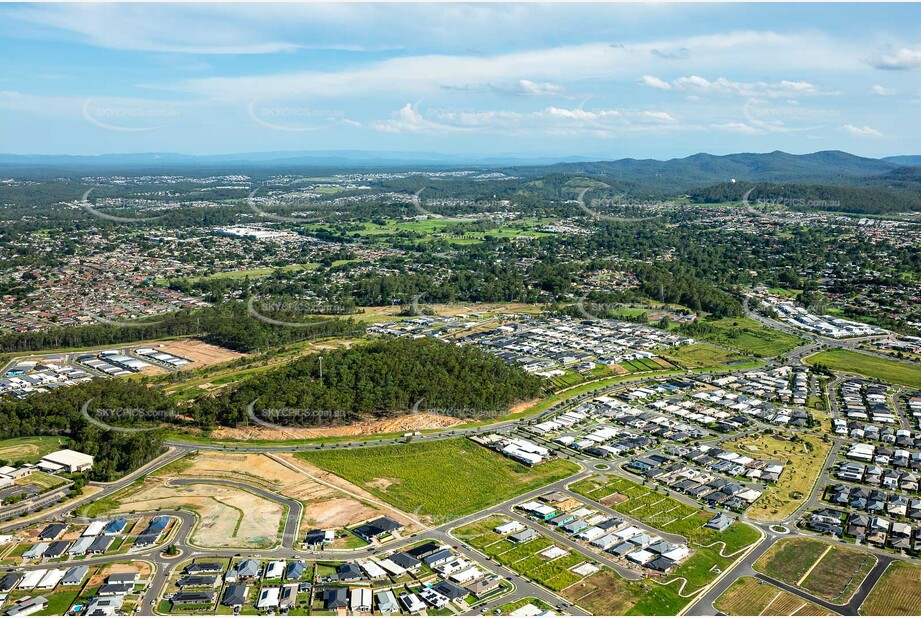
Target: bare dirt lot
{"points": [[202, 354], [221, 510], [352, 504], [409, 422], [324, 506], [99, 576]]}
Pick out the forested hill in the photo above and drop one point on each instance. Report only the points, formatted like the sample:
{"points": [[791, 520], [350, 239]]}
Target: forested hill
{"points": [[857, 200], [380, 379], [703, 169]]}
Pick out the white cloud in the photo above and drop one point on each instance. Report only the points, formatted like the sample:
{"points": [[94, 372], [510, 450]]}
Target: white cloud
{"points": [[428, 74], [883, 91], [409, 120], [737, 127], [526, 86], [722, 86], [654, 82], [862, 131], [551, 120], [904, 59]]}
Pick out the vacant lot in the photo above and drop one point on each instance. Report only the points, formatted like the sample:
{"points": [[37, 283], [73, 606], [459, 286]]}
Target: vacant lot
{"points": [[29, 449], [748, 597], [871, 366], [699, 355], [203, 354], [789, 559], [607, 594], [804, 459], [828, 571], [228, 517], [324, 506], [441, 479], [838, 575], [749, 336], [897, 593]]}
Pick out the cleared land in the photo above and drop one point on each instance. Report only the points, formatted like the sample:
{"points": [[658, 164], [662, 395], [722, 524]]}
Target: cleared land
{"points": [[897, 593], [749, 336], [30, 449], [804, 460], [400, 424], [748, 597], [442, 479], [228, 517], [699, 355], [203, 354], [883, 369], [828, 571], [324, 507]]}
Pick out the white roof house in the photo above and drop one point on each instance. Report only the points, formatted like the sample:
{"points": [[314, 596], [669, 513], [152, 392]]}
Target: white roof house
{"points": [[268, 597], [94, 528]]}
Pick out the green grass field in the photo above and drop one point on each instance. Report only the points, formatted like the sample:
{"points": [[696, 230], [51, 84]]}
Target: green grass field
{"points": [[30, 449], [897, 592], [699, 355], [871, 366], [441, 479], [749, 336]]}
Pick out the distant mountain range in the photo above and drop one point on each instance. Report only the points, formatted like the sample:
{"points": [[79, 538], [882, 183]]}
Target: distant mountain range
{"points": [[700, 170], [830, 166]]}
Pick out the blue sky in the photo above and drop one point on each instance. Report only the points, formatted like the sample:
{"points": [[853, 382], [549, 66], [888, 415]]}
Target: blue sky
{"points": [[605, 81]]}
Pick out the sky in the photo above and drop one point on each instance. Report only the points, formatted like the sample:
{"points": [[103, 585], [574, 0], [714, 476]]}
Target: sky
{"points": [[600, 81]]}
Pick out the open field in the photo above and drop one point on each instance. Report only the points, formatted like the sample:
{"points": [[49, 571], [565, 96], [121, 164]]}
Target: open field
{"points": [[748, 597], [252, 274], [30, 449], [324, 507], [828, 571], [699, 355], [897, 593], [228, 517], [883, 369], [838, 575], [749, 336], [789, 559], [442, 479], [806, 459]]}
